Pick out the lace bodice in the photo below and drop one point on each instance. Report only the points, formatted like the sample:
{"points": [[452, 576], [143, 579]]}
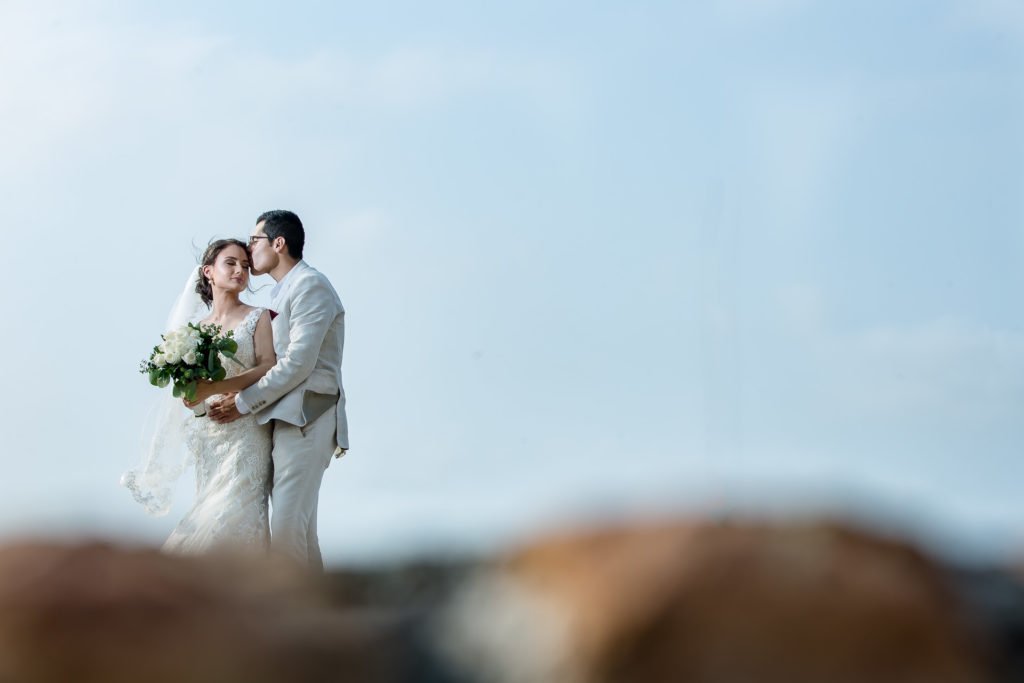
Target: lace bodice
{"points": [[244, 334]]}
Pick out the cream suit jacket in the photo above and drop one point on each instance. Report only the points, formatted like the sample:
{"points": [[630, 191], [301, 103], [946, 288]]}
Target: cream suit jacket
{"points": [[309, 338]]}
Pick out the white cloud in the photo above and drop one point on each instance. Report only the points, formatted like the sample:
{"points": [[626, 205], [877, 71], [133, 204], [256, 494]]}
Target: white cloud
{"points": [[998, 16], [49, 77], [797, 135], [77, 73], [943, 371]]}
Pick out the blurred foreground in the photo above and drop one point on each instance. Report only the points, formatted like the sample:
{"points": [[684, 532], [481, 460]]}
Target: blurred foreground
{"points": [[681, 601]]}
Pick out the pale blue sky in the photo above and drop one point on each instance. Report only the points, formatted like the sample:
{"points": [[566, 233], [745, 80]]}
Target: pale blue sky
{"points": [[598, 259]]}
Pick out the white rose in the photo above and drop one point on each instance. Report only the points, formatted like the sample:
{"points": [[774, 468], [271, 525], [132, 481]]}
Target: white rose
{"points": [[190, 357], [172, 354], [159, 360], [180, 333]]}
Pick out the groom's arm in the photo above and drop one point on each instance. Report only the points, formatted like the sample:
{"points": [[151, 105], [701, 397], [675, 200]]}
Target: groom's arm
{"points": [[312, 312]]}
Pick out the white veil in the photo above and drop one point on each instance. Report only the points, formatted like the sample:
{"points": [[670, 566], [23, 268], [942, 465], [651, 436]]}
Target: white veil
{"points": [[166, 457]]}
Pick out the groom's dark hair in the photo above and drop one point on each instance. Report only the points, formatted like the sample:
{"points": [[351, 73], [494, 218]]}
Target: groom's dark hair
{"points": [[280, 223]]}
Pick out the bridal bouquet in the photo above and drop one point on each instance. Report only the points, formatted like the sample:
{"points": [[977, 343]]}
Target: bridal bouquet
{"points": [[187, 356]]}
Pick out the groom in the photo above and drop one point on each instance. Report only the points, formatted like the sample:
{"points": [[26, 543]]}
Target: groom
{"points": [[302, 393]]}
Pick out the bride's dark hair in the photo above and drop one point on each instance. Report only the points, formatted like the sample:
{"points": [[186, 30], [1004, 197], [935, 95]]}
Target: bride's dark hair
{"points": [[203, 288]]}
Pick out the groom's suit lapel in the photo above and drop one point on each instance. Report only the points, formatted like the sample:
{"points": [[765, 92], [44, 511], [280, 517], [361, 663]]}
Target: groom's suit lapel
{"points": [[283, 295], [281, 303]]}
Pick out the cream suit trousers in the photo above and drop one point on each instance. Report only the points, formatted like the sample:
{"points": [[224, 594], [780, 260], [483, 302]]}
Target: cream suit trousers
{"points": [[301, 454]]}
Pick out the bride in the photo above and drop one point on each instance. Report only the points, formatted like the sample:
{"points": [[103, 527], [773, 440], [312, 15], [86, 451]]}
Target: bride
{"points": [[232, 460]]}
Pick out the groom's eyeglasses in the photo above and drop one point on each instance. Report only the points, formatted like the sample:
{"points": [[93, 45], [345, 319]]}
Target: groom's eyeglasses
{"points": [[252, 240]]}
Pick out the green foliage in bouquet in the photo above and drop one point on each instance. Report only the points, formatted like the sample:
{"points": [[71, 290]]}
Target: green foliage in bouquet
{"points": [[189, 355]]}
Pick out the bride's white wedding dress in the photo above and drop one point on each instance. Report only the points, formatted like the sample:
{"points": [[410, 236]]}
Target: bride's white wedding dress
{"points": [[233, 473]]}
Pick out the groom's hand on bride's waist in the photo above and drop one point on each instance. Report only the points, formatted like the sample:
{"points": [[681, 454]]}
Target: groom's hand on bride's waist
{"points": [[223, 410]]}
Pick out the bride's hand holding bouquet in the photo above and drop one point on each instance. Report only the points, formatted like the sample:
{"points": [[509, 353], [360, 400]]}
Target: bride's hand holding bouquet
{"points": [[189, 358]]}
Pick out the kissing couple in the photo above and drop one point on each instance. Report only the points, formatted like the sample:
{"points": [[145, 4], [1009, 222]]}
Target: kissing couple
{"points": [[277, 418]]}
